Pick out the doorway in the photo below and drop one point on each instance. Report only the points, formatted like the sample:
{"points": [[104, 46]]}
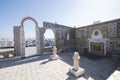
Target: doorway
{"points": [[49, 40], [30, 38]]}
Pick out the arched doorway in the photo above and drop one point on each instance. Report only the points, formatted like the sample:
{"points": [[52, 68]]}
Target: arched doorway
{"points": [[30, 38], [49, 40], [27, 43]]}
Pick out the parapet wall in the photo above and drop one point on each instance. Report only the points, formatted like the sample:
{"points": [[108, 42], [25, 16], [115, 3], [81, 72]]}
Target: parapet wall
{"points": [[61, 34], [77, 39], [109, 29], [105, 37]]}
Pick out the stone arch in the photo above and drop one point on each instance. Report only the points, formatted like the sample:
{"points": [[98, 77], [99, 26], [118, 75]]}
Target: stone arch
{"points": [[28, 18], [53, 30], [22, 36]]}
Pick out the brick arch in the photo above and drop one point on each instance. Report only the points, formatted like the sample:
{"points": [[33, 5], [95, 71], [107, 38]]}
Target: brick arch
{"points": [[28, 18]]}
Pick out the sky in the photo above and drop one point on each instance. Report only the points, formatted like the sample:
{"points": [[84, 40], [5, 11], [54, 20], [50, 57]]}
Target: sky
{"points": [[66, 12]]}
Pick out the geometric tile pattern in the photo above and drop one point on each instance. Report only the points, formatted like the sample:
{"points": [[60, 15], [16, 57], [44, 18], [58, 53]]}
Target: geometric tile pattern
{"points": [[112, 29], [115, 43], [118, 29]]}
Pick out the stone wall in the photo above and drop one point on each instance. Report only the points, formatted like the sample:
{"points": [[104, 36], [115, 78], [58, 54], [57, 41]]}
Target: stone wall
{"points": [[109, 29], [61, 32], [70, 39]]}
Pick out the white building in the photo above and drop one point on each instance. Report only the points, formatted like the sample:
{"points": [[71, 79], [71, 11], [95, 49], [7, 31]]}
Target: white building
{"points": [[6, 43]]}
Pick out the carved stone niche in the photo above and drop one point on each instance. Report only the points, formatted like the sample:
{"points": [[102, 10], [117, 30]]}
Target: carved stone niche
{"points": [[97, 44]]}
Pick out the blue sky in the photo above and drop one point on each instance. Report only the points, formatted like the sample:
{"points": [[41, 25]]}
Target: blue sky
{"points": [[67, 12]]}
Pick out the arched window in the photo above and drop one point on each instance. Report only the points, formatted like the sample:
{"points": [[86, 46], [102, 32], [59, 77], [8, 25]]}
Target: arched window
{"points": [[49, 38]]}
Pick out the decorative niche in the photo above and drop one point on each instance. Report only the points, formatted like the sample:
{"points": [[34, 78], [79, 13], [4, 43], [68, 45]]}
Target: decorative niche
{"points": [[97, 43]]}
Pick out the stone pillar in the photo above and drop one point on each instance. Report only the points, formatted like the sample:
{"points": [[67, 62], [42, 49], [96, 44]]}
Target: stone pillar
{"points": [[89, 45], [54, 56], [38, 41], [41, 40], [76, 58], [22, 42], [56, 39], [17, 40], [76, 70]]}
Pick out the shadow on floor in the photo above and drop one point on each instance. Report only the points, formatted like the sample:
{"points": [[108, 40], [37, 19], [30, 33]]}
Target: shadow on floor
{"points": [[96, 67], [48, 60], [71, 76], [93, 57], [15, 62]]}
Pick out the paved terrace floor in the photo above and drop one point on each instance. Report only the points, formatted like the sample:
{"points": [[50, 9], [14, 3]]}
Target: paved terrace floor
{"points": [[43, 68]]}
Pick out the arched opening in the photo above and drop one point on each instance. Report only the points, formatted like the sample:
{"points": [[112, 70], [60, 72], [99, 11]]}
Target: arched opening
{"points": [[49, 40], [30, 38]]}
